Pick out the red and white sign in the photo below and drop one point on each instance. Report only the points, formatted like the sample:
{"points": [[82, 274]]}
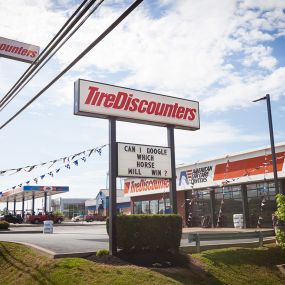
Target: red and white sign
{"points": [[18, 50], [100, 100], [138, 187]]}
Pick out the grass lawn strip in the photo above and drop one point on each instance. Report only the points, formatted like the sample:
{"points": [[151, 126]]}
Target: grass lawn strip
{"points": [[238, 266], [23, 266]]}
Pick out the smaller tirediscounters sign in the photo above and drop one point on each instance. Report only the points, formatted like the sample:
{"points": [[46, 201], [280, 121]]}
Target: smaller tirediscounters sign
{"points": [[100, 100], [18, 50], [143, 161]]}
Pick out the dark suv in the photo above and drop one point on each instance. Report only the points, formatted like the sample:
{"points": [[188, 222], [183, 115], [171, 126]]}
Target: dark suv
{"points": [[13, 219]]}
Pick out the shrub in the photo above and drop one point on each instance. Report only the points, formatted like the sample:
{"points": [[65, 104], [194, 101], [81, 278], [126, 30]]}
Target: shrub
{"points": [[102, 252], [4, 225], [148, 232], [58, 213], [280, 214], [280, 237]]}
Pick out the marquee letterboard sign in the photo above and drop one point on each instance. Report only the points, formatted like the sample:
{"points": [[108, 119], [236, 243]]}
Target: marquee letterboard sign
{"points": [[136, 160]]}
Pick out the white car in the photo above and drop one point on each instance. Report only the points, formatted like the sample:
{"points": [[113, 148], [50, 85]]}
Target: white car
{"points": [[78, 218]]}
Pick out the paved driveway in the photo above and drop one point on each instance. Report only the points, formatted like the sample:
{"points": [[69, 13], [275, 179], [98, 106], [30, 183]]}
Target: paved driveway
{"points": [[65, 239], [90, 238]]}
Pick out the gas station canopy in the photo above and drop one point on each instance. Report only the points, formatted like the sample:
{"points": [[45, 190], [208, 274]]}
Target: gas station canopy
{"points": [[28, 192]]}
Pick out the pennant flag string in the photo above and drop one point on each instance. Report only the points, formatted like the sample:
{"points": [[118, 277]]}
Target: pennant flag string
{"points": [[51, 173], [69, 158]]}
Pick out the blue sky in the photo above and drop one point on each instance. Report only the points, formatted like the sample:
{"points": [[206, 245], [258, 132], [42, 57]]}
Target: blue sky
{"points": [[223, 54]]}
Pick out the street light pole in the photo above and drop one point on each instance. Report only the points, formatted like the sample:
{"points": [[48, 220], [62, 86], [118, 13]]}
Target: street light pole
{"points": [[267, 98]]}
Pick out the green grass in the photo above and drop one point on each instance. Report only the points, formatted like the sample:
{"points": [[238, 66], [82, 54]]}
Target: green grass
{"points": [[238, 266], [22, 265]]}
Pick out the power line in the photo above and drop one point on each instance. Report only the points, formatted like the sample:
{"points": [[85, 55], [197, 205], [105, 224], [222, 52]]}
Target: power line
{"points": [[12, 96], [81, 55], [70, 23]]}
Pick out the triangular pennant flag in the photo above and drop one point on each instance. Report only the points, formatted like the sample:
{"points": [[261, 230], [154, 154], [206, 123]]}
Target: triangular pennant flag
{"points": [[27, 182], [13, 187], [43, 176], [31, 168], [53, 162], [75, 162], [91, 151], [75, 155], [17, 170]]}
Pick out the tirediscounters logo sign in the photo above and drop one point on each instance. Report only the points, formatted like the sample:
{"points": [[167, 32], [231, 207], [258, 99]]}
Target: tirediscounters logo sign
{"points": [[18, 50], [100, 100]]}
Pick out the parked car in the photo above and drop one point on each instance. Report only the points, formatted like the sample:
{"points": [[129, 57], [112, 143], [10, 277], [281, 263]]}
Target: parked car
{"points": [[40, 218], [13, 219], [78, 218], [95, 217]]}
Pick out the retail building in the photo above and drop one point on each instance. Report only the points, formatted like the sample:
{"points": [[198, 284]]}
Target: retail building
{"points": [[210, 192], [70, 207], [100, 205]]}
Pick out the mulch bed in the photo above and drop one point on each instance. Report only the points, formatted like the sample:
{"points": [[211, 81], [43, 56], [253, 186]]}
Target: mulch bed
{"points": [[144, 259]]}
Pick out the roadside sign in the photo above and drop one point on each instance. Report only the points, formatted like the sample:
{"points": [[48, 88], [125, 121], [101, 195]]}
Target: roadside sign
{"points": [[94, 99], [18, 51], [146, 161]]}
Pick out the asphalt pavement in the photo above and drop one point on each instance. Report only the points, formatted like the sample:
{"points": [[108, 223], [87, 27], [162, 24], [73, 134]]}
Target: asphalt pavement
{"points": [[81, 240]]}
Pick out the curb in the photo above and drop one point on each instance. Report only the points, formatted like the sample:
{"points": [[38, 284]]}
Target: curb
{"points": [[21, 232], [55, 225], [52, 254]]}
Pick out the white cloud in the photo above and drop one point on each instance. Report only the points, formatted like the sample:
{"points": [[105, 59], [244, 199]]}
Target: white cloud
{"points": [[180, 53], [261, 56], [242, 92]]}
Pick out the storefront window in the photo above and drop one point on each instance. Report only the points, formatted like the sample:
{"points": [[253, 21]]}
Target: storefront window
{"points": [[232, 204], [167, 206], [145, 207], [161, 206], [153, 207], [138, 207], [198, 208], [261, 201]]}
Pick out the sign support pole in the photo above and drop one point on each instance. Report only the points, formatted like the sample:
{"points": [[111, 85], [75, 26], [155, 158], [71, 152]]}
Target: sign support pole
{"points": [[172, 184], [113, 164]]}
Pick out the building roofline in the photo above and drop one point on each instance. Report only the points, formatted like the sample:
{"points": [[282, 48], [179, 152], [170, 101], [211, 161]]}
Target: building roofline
{"points": [[182, 165]]}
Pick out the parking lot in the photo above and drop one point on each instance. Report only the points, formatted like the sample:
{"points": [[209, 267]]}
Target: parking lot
{"points": [[78, 239], [65, 239]]}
